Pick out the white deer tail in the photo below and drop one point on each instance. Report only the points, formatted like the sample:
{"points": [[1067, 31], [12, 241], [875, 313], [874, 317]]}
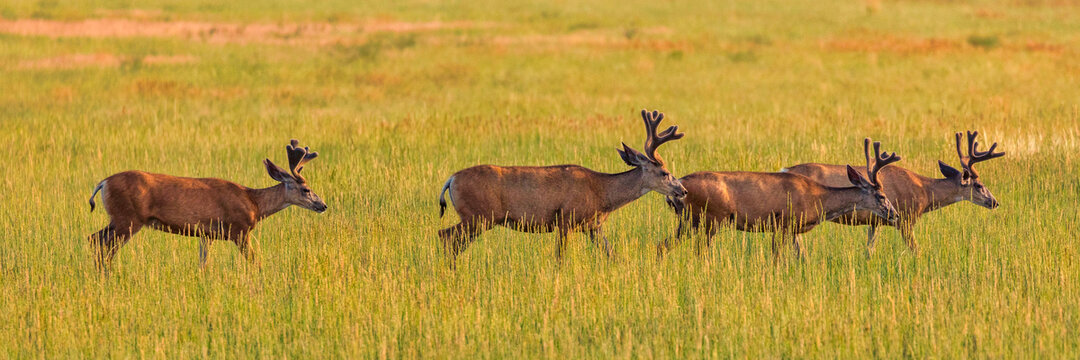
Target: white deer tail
{"points": [[100, 186], [442, 195]]}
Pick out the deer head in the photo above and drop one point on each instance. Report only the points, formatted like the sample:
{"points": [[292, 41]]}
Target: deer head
{"points": [[873, 198], [972, 189], [297, 191], [656, 175]]}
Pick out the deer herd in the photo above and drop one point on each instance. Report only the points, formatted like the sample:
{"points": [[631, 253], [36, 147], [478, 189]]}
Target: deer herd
{"points": [[569, 198]]}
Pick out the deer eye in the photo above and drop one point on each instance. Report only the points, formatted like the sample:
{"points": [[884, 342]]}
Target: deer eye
{"points": [[305, 190], [664, 173]]}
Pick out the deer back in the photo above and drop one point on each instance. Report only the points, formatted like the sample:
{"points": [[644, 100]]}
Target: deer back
{"points": [[904, 188], [752, 199], [177, 201], [528, 194]]}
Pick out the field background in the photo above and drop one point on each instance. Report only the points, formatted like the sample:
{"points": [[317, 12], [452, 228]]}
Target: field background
{"points": [[397, 96]]}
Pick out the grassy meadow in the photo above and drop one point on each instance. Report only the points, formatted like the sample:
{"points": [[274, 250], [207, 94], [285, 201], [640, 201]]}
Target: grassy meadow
{"points": [[397, 96]]}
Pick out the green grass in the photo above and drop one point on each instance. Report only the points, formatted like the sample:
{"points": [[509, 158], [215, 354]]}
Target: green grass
{"points": [[755, 86]]}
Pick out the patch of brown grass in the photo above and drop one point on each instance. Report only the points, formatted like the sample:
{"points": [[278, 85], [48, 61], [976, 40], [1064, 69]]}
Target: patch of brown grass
{"points": [[920, 46], [75, 61], [891, 44], [296, 33], [988, 14], [165, 88], [1037, 46], [169, 59], [597, 39]]}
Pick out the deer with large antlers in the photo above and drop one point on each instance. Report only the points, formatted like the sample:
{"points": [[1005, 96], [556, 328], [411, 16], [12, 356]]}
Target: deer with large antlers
{"points": [[915, 195], [212, 209], [561, 198], [782, 203]]}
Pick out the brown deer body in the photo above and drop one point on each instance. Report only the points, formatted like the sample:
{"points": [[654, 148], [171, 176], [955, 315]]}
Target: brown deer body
{"points": [[914, 195], [785, 204], [563, 198], [212, 209]]}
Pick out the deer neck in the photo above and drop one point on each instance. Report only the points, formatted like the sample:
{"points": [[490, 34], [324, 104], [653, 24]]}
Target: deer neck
{"points": [[268, 201], [622, 188], [942, 193], [839, 201]]}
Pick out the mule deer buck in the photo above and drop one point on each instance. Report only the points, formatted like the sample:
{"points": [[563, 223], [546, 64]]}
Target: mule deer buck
{"points": [[212, 209], [914, 194], [783, 203], [561, 198]]}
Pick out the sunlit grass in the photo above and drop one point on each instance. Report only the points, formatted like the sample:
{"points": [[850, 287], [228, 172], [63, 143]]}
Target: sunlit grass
{"points": [[755, 85]]}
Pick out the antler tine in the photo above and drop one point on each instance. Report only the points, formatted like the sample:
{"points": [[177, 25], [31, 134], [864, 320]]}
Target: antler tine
{"points": [[880, 161], [959, 153], [298, 157], [866, 151], [650, 126], [654, 140], [971, 145], [974, 155]]}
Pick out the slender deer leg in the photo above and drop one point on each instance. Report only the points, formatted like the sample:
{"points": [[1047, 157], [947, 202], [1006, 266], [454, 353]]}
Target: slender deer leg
{"points": [[243, 242], [796, 241], [564, 233], [698, 243], [598, 232], [204, 250], [685, 229], [671, 242], [906, 229], [776, 245], [710, 234], [112, 238], [98, 245], [870, 232], [456, 238]]}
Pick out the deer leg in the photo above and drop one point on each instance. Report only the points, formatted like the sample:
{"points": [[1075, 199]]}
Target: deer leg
{"points": [[243, 242], [796, 241], [776, 246], [204, 250], [110, 239], [599, 232], [870, 232], [909, 238], [683, 231], [456, 238], [98, 244], [564, 233], [710, 233], [698, 244]]}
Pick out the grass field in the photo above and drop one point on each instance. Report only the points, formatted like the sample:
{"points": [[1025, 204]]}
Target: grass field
{"points": [[396, 97]]}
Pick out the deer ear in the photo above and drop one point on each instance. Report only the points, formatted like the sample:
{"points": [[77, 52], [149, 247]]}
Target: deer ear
{"points": [[632, 157], [856, 179], [949, 171], [276, 172]]}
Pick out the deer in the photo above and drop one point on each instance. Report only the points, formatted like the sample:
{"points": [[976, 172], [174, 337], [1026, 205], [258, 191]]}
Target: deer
{"points": [[915, 195], [785, 204], [560, 198], [208, 208]]}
